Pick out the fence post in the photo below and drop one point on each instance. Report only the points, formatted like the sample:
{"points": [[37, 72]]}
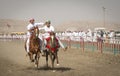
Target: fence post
{"points": [[83, 44], [92, 45], [101, 48], [69, 42], [119, 46], [114, 50], [114, 46], [80, 42]]}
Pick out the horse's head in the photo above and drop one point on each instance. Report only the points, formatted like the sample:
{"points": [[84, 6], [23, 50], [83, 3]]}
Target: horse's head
{"points": [[35, 33], [52, 35], [53, 40]]}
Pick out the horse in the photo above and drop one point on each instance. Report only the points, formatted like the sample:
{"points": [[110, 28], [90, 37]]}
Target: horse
{"points": [[52, 49], [34, 48]]}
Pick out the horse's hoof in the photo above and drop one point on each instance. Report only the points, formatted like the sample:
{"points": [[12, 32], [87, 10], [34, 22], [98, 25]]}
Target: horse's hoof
{"points": [[35, 65], [58, 64], [27, 54], [43, 55], [32, 60], [54, 71], [46, 66]]}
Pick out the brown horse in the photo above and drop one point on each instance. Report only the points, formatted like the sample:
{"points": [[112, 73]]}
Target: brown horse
{"points": [[34, 48], [52, 49]]}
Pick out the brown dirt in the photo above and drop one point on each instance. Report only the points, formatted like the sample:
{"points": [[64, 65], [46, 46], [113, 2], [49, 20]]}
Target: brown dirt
{"points": [[73, 62]]}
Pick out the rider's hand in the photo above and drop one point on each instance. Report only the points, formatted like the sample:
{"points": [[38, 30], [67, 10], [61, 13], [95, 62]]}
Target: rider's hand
{"points": [[44, 23]]}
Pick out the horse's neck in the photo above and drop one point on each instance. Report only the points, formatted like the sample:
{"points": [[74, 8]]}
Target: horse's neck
{"points": [[52, 41], [52, 38], [32, 36], [34, 41], [36, 31]]}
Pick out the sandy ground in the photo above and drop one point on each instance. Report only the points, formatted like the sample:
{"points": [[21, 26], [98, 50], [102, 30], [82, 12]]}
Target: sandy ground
{"points": [[73, 62]]}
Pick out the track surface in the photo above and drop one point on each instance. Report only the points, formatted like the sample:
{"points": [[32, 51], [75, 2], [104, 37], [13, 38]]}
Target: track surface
{"points": [[73, 62]]}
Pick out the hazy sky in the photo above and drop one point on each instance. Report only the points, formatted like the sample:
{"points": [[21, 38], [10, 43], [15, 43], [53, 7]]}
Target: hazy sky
{"points": [[60, 10]]}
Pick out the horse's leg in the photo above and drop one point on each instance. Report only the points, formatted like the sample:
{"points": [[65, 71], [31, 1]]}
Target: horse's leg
{"points": [[51, 60], [37, 56], [46, 58], [56, 55], [31, 56], [35, 60], [52, 57]]}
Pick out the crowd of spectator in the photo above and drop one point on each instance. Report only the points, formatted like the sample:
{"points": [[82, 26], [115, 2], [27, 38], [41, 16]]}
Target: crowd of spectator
{"points": [[88, 35]]}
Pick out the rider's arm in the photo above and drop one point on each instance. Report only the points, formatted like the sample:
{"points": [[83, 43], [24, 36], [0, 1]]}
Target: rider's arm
{"points": [[41, 28], [39, 24]]}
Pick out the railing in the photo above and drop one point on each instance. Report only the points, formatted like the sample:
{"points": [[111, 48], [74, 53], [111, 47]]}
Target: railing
{"points": [[101, 45]]}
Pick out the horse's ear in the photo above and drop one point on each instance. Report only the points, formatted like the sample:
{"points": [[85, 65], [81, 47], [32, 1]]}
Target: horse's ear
{"points": [[54, 33]]}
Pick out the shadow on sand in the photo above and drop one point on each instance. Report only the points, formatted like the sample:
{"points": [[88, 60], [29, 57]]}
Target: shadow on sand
{"points": [[44, 68], [56, 68]]}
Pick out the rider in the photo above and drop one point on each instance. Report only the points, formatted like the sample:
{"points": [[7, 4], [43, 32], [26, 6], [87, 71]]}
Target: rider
{"points": [[49, 28], [30, 29]]}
